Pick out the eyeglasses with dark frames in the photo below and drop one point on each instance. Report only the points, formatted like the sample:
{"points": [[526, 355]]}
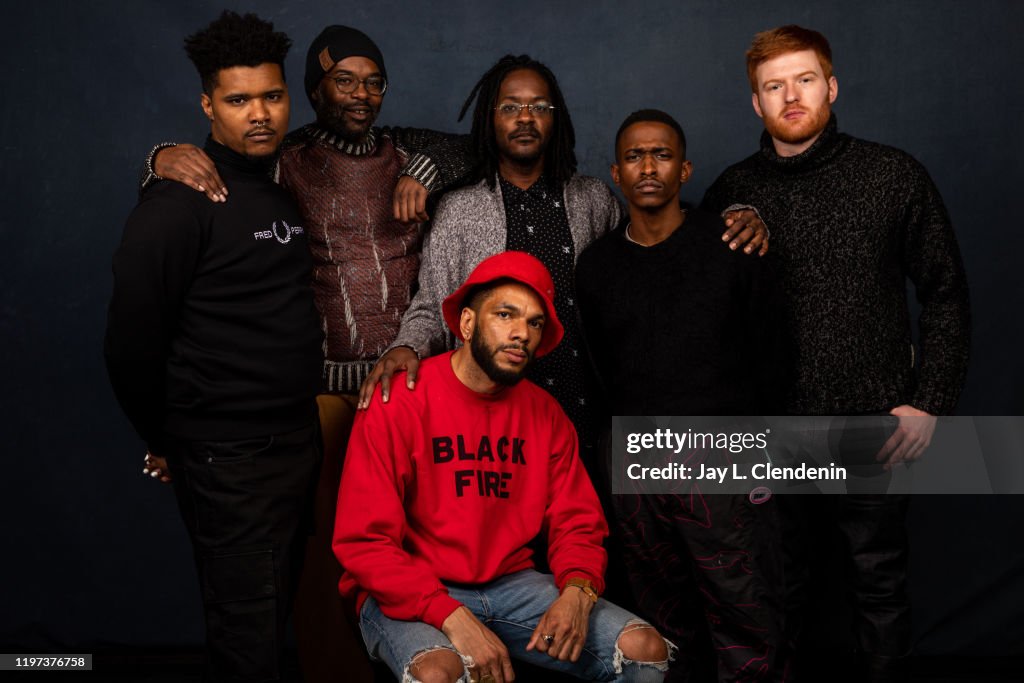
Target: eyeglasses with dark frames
{"points": [[347, 84]]}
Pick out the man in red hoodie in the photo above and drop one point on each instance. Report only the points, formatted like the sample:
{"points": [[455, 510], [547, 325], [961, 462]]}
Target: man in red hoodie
{"points": [[445, 487]]}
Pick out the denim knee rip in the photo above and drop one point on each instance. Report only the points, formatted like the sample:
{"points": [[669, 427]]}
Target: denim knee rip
{"points": [[467, 664], [620, 660]]}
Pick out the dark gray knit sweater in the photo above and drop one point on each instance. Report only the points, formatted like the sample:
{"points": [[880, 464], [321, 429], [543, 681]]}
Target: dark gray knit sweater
{"points": [[851, 220]]}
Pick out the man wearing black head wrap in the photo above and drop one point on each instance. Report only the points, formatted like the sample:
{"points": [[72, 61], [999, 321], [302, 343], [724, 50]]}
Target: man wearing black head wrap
{"points": [[339, 161]]}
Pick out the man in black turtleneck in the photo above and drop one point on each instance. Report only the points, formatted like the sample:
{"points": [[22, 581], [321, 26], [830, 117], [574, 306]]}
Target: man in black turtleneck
{"points": [[213, 350], [877, 220]]}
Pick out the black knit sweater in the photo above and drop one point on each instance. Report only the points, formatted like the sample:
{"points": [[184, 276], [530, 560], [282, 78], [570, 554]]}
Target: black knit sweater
{"points": [[683, 327], [212, 334], [851, 220]]}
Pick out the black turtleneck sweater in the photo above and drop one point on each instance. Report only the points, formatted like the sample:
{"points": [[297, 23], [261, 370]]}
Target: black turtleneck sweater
{"points": [[851, 220], [212, 333]]}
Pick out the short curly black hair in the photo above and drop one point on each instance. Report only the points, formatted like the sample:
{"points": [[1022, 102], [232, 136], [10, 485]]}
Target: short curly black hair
{"points": [[235, 40]]}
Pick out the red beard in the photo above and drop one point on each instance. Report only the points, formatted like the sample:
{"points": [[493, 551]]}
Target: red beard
{"points": [[802, 129]]}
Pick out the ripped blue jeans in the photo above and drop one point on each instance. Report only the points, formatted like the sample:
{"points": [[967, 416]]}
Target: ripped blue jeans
{"points": [[511, 607]]}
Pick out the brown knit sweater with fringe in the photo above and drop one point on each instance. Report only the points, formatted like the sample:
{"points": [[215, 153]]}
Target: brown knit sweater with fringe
{"points": [[364, 261]]}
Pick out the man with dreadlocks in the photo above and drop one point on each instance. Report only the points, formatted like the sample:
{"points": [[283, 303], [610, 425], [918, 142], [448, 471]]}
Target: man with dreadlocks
{"points": [[213, 350], [528, 198]]}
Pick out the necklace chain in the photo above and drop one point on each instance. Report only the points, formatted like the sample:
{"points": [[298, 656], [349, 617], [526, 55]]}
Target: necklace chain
{"points": [[630, 224]]}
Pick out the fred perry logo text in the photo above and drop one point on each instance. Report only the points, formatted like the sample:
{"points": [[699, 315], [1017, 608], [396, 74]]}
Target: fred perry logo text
{"points": [[282, 232]]}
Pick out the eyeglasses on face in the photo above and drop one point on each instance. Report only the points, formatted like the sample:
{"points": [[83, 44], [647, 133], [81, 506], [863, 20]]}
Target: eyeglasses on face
{"points": [[512, 109], [347, 84]]}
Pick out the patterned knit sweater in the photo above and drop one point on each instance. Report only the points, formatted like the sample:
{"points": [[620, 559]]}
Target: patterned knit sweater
{"points": [[851, 220], [364, 261]]}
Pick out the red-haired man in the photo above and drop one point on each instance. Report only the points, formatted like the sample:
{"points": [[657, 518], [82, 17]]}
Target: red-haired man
{"points": [[851, 221]]}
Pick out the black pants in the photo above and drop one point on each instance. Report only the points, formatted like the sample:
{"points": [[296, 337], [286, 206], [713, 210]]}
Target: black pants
{"points": [[704, 565], [246, 505], [874, 538], [874, 548]]}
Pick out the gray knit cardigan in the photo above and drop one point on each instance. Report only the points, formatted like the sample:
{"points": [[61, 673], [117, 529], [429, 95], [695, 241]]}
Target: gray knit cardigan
{"points": [[469, 226]]}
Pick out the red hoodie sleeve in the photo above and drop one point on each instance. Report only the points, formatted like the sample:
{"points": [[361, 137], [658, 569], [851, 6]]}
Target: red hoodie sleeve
{"points": [[371, 522], [574, 520]]}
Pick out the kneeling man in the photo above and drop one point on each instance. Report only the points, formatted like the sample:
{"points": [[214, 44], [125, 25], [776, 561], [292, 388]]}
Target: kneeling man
{"points": [[443, 489]]}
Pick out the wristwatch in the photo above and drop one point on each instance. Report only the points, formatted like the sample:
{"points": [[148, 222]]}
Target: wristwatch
{"points": [[584, 585]]}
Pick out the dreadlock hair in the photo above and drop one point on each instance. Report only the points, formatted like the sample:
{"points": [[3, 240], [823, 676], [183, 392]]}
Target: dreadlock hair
{"points": [[560, 155], [655, 116], [235, 40]]}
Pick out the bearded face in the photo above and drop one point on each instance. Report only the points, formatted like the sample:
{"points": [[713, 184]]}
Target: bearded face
{"points": [[507, 326], [795, 100], [346, 111]]}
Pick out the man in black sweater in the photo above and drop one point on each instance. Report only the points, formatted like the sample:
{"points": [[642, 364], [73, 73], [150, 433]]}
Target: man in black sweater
{"points": [[364, 273], [213, 350], [667, 313], [876, 219]]}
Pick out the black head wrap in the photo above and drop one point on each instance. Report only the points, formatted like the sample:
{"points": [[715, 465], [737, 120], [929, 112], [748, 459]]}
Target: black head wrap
{"points": [[334, 44]]}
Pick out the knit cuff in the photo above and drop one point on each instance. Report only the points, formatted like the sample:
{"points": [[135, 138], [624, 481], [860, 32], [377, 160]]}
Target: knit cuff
{"points": [[423, 169], [149, 174], [439, 609], [743, 207], [347, 377], [421, 350], [934, 403]]}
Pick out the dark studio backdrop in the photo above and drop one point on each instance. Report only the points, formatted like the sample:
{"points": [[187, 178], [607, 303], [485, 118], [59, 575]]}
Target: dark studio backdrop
{"points": [[94, 554]]}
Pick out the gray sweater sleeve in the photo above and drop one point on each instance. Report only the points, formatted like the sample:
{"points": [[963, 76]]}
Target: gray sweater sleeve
{"points": [[468, 226]]}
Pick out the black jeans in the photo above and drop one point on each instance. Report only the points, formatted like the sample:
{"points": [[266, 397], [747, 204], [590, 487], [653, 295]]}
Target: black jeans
{"points": [[246, 505]]}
